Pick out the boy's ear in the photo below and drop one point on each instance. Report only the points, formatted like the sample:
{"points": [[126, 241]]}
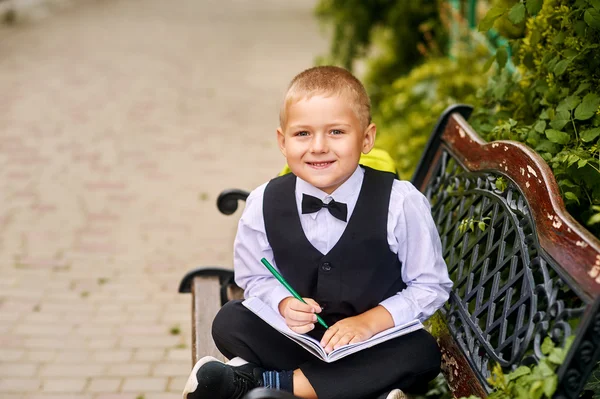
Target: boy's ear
{"points": [[369, 138], [281, 140]]}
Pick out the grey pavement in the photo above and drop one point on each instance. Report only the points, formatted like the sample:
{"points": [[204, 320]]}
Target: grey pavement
{"points": [[120, 122]]}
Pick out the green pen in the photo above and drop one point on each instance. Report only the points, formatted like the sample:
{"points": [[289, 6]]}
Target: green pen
{"points": [[289, 287]]}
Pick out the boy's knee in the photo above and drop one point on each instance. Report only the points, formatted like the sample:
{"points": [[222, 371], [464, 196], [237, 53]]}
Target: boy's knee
{"points": [[227, 319], [431, 358]]}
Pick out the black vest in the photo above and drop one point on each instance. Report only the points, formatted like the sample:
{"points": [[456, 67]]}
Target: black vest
{"points": [[358, 272]]}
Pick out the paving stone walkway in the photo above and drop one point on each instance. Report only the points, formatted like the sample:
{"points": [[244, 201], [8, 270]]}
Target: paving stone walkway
{"points": [[120, 122]]}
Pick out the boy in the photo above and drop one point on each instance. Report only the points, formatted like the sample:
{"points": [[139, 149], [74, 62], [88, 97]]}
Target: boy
{"points": [[360, 245]]}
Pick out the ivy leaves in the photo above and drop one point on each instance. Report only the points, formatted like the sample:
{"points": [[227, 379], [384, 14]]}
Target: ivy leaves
{"points": [[590, 134], [592, 17], [534, 6], [535, 382], [492, 15], [552, 103], [588, 107], [557, 136], [516, 15]]}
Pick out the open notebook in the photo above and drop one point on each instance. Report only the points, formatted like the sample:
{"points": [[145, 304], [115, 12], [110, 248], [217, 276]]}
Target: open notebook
{"points": [[275, 320]]}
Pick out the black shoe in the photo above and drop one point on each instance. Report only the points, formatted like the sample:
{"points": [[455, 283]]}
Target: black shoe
{"points": [[212, 379]]}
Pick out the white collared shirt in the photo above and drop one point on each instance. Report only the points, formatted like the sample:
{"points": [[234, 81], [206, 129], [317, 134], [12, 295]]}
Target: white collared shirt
{"points": [[411, 234]]}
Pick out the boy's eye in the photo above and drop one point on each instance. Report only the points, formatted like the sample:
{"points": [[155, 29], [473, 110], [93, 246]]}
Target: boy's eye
{"points": [[302, 133], [336, 131]]}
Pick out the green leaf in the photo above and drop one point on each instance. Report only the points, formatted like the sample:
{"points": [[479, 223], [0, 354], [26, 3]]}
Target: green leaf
{"points": [[518, 372], [501, 56], [550, 384], [594, 219], [558, 137], [536, 390], [481, 226], [472, 226], [567, 183], [488, 63], [595, 4], [501, 184], [569, 103], [561, 67], [545, 369], [588, 107], [534, 6], [592, 18], [516, 15], [492, 15], [590, 134], [556, 357], [552, 63], [540, 126], [581, 163], [580, 28], [546, 146], [582, 87], [547, 345], [560, 119], [559, 38], [571, 159], [571, 196]]}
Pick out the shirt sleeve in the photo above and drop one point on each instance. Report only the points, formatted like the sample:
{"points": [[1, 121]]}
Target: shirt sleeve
{"points": [[415, 236], [250, 246]]}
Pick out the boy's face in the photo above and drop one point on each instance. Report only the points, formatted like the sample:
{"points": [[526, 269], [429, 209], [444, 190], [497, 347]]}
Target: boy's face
{"points": [[322, 140]]}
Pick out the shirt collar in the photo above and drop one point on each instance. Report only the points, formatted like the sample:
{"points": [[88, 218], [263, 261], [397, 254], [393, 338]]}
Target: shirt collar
{"points": [[345, 193]]}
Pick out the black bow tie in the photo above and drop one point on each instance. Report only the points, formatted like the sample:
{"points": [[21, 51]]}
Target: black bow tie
{"points": [[312, 204]]}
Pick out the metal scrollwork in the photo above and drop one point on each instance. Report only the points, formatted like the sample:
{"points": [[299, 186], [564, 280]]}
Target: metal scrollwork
{"points": [[507, 295]]}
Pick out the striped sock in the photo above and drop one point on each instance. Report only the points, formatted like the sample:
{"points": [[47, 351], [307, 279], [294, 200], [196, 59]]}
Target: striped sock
{"points": [[282, 380]]}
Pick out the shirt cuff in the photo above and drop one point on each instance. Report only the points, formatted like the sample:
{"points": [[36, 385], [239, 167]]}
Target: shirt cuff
{"points": [[276, 296], [400, 308]]}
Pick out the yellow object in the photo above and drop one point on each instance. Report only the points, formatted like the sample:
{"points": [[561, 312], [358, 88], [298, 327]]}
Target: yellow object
{"points": [[377, 159]]}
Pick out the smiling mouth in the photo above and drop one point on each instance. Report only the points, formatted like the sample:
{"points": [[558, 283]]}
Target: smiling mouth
{"points": [[320, 165]]}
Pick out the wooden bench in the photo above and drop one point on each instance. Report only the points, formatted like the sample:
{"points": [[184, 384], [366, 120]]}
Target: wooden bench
{"points": [[528, 272]]}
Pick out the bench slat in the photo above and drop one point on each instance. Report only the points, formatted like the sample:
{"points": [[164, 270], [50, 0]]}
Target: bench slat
{"points": [[205, 305]]}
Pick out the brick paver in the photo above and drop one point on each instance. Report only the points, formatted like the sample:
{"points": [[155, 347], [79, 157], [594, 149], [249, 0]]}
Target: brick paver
{"points": [[120, 124]]}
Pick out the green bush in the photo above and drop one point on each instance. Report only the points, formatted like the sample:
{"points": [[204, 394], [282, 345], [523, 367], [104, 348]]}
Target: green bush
{"points": [[395, 27], [551, 102], [406, 115]]}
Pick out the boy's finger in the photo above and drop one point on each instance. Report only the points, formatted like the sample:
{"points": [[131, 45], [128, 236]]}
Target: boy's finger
{"points": [[333, 341], [301, 307], [355, 340], [344, 340], [303, 329], [328, 334], [314, 304], [302, 316], [297, 323]]}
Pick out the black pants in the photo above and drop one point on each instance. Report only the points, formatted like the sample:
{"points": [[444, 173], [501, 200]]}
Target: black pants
{"points": [[407, 362]]}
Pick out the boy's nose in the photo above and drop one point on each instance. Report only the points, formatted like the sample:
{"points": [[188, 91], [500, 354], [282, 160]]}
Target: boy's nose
{"points": [[318, 144]]}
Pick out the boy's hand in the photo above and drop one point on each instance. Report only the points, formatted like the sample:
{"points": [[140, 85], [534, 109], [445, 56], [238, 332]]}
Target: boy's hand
{"points": [[300, 317], [357, 328]]}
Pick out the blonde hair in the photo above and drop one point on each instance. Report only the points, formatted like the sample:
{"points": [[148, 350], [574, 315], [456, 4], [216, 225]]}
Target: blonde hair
{"points": [[328, 81]]}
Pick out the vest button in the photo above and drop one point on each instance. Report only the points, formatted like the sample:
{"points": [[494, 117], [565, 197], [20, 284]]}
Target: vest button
{"points": [[326, 266]]}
